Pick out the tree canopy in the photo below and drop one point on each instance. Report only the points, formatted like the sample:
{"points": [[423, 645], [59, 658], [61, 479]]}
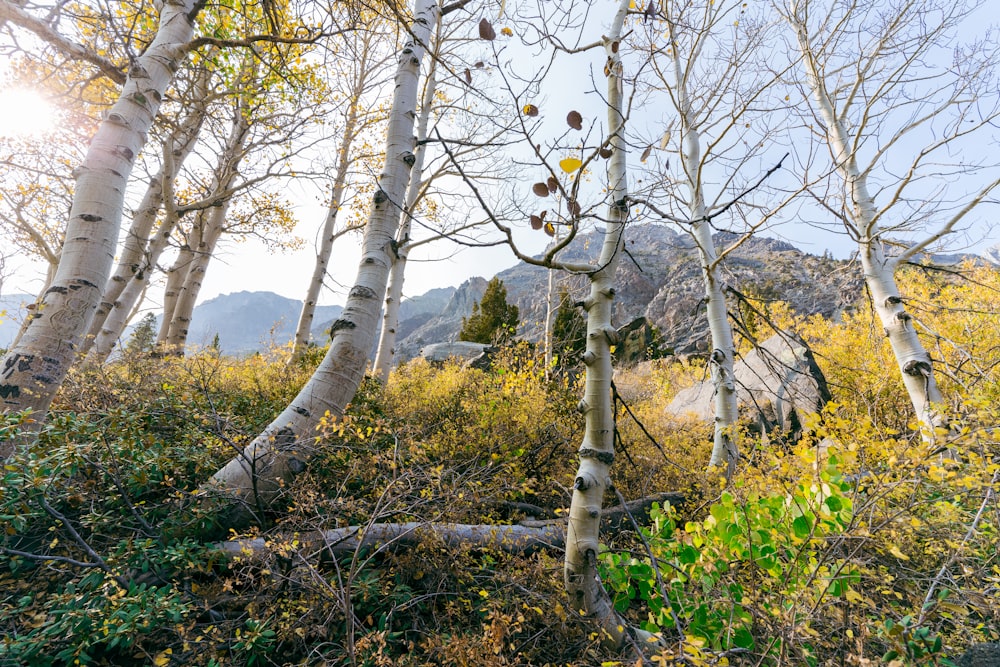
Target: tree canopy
{"points": [[493, 321]]}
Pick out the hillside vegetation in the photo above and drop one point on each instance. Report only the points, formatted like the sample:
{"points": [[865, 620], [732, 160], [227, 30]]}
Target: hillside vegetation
{"points": [[862, 544]]}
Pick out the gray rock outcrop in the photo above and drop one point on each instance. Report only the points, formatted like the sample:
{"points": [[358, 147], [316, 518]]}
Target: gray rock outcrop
{"points": [[661, 281], [460, 350], [777, 384]]}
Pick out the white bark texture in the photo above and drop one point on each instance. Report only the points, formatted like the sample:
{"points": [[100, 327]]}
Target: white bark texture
{"points": [[32, 371], [135, 262], [213, 222], [510, 539], [683, 61], [259, 472], [879, 270], [211, 225], [125, 303], [386, 352], [583, 584], [176, 275], [368, 68], [330, 234]]}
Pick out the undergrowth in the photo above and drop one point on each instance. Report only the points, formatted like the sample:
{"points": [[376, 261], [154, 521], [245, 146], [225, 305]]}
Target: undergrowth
{"points": [[862, 544]]}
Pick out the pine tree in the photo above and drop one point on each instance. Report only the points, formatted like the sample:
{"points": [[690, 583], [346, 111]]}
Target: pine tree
{"points": [[493, 321], [143, 337]]}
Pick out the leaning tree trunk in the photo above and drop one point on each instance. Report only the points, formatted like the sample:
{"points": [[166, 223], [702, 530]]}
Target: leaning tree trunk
{"points": [[135, 289], [134, 264], [183, 311], [32, 371], [394, 294], [330, 233], [210, 227], [583, 584], [912, 358], [176, 276], [282, 450]]}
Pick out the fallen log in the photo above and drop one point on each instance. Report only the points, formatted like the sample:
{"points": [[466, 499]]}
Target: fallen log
{"points": [[511, 539], [524, 538]]}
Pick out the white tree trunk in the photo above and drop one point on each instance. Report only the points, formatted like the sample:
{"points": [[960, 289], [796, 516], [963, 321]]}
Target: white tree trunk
{"points": [[134, 262], [586, 592], [330, 233], [210, 227], [180, 318], [126, 302], [258, 473], [879, 271], [366, 68], [386, 352], [725, 450], [32, 371], [176, 277]]}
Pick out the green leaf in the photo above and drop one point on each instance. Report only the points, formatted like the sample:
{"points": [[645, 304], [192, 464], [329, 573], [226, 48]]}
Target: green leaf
{"points": [[801, 526]]}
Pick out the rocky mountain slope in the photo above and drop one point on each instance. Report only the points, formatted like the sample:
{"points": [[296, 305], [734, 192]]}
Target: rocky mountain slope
{"points": [[660, 279]]}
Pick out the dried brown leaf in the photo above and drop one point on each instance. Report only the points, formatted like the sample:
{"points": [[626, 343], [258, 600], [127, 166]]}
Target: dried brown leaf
{"points": [[486, 31]]}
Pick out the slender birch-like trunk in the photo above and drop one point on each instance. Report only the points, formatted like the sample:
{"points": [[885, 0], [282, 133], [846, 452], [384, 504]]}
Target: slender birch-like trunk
{"points": [[682, 59], [32, 371], [912, 358], [330, 232], [724, 446], [135, 289], [213, 225], [180, 319], [367, 69], [176, 277], [394, 294], [134, 262], [256, 475], [583, 584]]}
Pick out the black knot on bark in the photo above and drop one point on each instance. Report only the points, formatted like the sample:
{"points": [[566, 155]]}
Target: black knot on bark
{"points": [[361, 292], [892, 300], [718, 356], [341, 324], [607, 458], [917, 368], [903, 317], [381, 197]]}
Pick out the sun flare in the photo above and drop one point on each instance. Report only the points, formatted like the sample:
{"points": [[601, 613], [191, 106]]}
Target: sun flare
{"points": [[24, 112]]}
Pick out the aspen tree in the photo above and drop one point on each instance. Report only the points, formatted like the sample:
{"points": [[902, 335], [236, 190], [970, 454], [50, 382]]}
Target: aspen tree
{"points": [[33, 370], [708, 67], [256, 475], [363, 59], [897, 127]]}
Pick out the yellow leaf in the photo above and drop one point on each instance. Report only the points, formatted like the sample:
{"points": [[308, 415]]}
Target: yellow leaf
{"points": [[506, 32], [894, 550], [162, 658], [570, 164]]}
